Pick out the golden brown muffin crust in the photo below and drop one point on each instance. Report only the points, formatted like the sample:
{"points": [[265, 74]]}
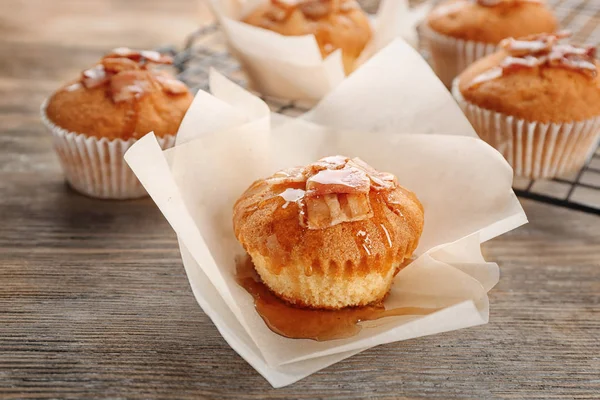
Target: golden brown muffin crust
{"points": [[542, 93], [336, 24], [128, 103], [264, 221], [469, 20]]}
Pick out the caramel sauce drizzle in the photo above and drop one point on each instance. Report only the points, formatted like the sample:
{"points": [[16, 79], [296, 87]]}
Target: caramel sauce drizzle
{"points": [[544, 50], [303, 323]]}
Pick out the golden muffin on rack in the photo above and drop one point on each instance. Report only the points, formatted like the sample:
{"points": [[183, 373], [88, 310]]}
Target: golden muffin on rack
{"points": [[336, 24], [537, 101], [329, 235], [458, 32], [122, 97], [96, 118]]}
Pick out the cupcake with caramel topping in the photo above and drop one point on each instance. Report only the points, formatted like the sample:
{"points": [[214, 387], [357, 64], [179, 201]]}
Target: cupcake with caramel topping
{"points": [[458, 32], [336, 24], [537, 101], [95, 119], [329, 235]]}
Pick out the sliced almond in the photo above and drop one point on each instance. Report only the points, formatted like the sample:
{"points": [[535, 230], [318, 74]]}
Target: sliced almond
{"points": [[115, 65], [290, 175], [149, 56], [172, 85], [380, 180], [94, 77], [130, 85], [348, 180], [327, 210], [359, 206], [317, 213]]}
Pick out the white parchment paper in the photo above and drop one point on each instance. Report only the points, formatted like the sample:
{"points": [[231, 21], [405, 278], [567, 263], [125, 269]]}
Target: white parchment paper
{"points": [[292, 67], [228, 139]]}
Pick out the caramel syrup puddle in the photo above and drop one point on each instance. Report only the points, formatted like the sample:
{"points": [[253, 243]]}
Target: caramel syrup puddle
{"points": [[303, 323]]}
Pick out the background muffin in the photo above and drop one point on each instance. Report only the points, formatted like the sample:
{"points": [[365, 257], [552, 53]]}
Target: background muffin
{"points": [[537, 101], [336, 24], [329, 235], [95, 119], [458, 32]]}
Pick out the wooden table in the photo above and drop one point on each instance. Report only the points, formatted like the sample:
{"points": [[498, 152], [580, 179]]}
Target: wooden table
{"points": [[94, 301]]}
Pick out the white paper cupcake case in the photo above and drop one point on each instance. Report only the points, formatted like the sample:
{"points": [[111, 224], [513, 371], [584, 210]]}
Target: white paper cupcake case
{"points": [[534, 149], [95, 167], [450, 56]]}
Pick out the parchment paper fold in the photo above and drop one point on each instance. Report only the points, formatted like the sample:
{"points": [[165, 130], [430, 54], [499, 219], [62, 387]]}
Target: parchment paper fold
{"points": [[393, 113]]}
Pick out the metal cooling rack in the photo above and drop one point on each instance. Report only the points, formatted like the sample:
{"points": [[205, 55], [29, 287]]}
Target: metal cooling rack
{"points": [[206, 49]]}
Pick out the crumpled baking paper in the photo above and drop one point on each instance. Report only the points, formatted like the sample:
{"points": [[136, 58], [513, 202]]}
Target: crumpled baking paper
{"points": [[394, 114], [292, 68]]}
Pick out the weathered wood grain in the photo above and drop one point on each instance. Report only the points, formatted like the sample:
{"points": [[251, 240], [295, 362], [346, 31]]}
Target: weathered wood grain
{"points": [[94, 302]]}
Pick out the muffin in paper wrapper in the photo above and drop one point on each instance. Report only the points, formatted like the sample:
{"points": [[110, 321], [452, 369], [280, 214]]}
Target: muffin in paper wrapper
{"points": [[534, 149], [95, 166], [398, 117], [450, 56], [291, 67]]}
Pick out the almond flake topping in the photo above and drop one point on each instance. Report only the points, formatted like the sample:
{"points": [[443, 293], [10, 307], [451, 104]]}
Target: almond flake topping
{"points": [[171, 85], [331, 181], [128, 74], [543, 50], [336, 189], [129, 85], [94, 77]]}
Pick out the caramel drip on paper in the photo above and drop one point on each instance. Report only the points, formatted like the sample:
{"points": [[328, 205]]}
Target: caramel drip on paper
{"points": [[304, 323]]}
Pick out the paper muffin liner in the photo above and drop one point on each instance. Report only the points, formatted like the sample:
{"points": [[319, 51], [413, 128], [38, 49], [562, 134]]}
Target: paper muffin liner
{"points": [[95, 166], [464, 206], [450, 56], [292, 67], [534, 149]]}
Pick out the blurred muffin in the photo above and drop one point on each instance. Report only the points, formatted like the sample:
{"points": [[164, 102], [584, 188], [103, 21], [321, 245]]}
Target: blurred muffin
{"points": [[537, 101], [329, 235], [96, 118], [336, 24], [458, 32]]}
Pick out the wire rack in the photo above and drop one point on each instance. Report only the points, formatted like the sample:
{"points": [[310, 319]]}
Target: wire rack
{"points": [[206, 49]]}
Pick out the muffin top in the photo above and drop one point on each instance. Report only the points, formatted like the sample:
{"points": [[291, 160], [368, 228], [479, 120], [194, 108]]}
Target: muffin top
{"points": [[490, 21], [122, 97], [336, 24], [336, 212], [538, 78]]}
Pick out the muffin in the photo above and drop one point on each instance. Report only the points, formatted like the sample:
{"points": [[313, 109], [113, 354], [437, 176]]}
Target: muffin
{"points": [[458, 32], [537, 101], [95, 119], [336, 24], [329, 235]]}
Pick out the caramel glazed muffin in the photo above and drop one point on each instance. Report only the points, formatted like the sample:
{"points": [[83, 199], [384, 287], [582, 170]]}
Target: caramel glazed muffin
{"points": [[95, 119], [537, 101], [329, 235], [458, 32], [122, 98], [336, 24]]}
